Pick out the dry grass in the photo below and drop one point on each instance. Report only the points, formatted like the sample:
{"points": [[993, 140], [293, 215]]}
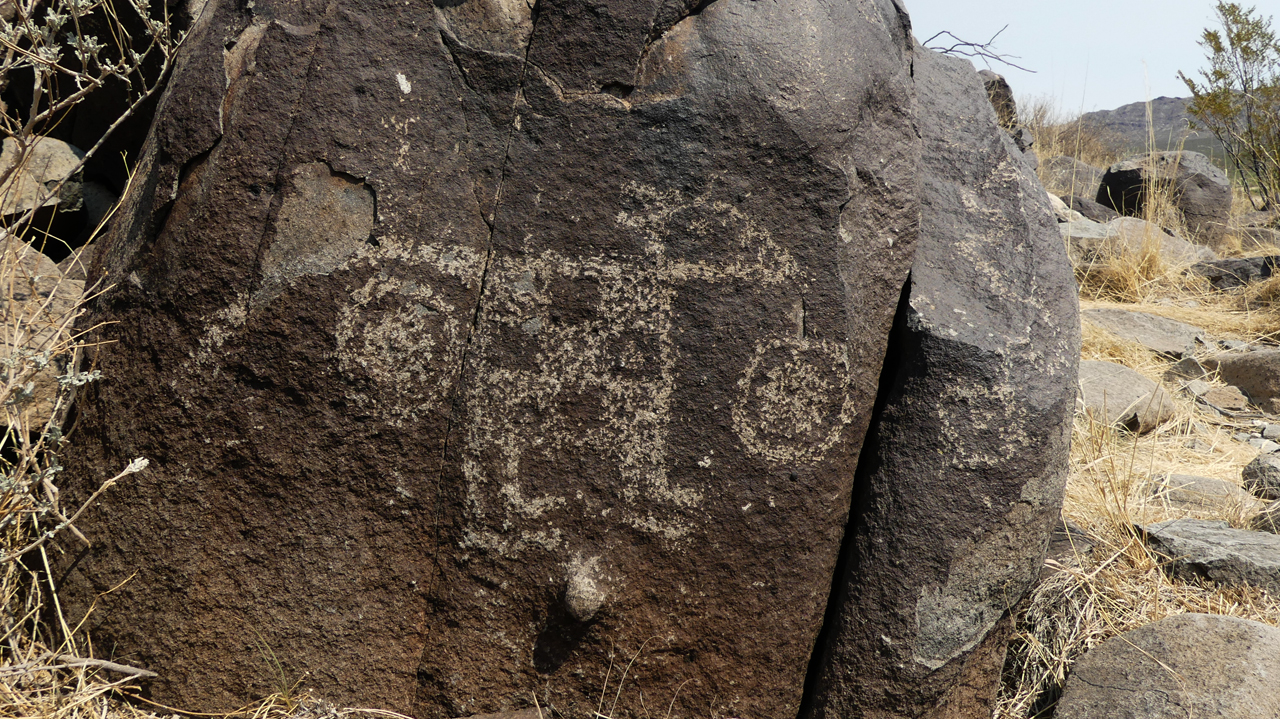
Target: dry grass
{"points": [[1119, 584], [1124, 275], [1057, 133]]}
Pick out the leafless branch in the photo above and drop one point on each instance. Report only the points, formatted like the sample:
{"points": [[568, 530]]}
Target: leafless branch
{"points": [[982, 50]]}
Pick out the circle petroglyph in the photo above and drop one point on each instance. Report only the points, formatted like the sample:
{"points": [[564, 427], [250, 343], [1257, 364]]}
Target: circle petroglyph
{"points": [[794, 400]]}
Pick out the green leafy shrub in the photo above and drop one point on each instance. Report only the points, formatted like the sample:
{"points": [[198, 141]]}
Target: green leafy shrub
{"points": [[1238, 98]]}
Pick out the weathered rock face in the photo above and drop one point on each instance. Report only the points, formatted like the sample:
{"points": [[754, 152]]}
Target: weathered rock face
{"points": [[960, 483], [1189, 665], [479, 350]]}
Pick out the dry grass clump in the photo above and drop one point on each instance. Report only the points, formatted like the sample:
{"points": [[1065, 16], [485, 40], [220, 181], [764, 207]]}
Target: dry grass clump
{"points": [[1122, 270], [1250, 314], [1220, 314], [1261, 296], [1118, 584], [1123, 275], [1055, 133]]}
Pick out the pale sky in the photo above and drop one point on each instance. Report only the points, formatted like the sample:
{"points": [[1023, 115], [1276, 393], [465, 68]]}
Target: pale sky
{"points": [[1087, 54]]}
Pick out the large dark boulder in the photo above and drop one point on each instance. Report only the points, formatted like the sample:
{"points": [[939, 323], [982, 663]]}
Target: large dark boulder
{"points": [[481, 350], [1199, 190], [960, 483]]}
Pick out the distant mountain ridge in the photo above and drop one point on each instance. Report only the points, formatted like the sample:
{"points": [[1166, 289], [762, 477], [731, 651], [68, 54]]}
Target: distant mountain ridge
{"points": [[1170, 127]]}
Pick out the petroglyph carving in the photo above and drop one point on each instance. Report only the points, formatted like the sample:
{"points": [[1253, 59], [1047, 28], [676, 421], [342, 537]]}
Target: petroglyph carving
{"points": [[395, 332], [603, 382], [789, 410]]}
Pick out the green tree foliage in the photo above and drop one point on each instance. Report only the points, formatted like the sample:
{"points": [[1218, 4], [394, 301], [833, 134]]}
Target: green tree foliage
{"points": [[1238, 96]]}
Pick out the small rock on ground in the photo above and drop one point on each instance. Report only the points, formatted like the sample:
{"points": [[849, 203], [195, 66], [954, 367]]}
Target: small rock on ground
{"points": [[1236, 271], [1117, 395], [1262, 476], [1265, 446], [1256, 373], [1186, 491], [1186, 368], [1228, 398]]}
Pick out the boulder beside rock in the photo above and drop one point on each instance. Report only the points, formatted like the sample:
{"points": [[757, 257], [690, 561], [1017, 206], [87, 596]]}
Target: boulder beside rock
{"points": [[1158, 334], [1188, 665], [1199, 189], [958, 486], [1209, 549], [608, 350], [1256, 373], [1116, 395]]}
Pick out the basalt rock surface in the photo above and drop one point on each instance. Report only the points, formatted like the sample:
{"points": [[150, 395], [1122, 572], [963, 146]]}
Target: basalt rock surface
{"points": [[480, 348], [961, 481]]}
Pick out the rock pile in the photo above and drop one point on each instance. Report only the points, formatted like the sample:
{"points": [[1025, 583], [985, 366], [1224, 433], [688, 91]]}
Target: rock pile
{"points": [[1199, 191], [1215, 531]]}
